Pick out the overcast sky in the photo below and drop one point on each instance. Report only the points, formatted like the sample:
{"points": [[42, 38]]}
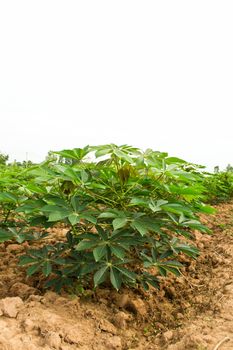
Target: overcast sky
{"points": [[155, 74]]}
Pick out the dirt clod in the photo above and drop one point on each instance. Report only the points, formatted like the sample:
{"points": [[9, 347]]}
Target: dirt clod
{"points": [[53, 340], [10, 306], [120, 320], [168, 335], [114, 343], [22, 290], [15, 248], [138, 306], [107, 326]]}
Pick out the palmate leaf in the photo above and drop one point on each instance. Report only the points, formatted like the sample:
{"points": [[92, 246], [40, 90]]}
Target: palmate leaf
{"points": [[119, 223], [115, 278], [26, 259], [137, 201], [86, 244], [58, 215], [87, 268], [55, 212], [34, 188], [55, 201], [118, 251], [5, 236], [191, 251], [149, 279], [76, 153], [127, 273], [163, 270], [30, 206], [189, 190], [169, 266], [103, 234], [58, 282], [176, 208], [33, 269], [123, 155], [76, 204], [8, 197], [88, 217], [20, 235], [111, 213], [157, 206], [84, 176], [172, 263], [101, 275], [47, 268], [72, 176], [163, 266], [107, 215], [39, 220], [99, 252], [195, 224], [171, 160], [74, 218], [101, 152], [140, 226], [206, 209]]}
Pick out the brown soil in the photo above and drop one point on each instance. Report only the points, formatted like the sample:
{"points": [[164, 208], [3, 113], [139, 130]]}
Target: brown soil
{"points": [[193, 311]]}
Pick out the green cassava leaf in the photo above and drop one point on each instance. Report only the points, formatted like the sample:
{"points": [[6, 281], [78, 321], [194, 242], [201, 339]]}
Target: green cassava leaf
{"points": [[119, 223], [47, 268], [5, 235], [86, 244], [99, 252], [115, 278], [140, 226], [100, 275], [74, 219], [33, 269], [25, 259], [118, 251]]}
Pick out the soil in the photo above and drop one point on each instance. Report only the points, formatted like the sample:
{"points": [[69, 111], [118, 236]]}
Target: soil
{"points": [[190, 312]]}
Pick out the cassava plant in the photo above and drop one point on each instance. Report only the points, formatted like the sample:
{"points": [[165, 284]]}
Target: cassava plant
{"points": [[13, 193], [129, 215], [218, 186]]}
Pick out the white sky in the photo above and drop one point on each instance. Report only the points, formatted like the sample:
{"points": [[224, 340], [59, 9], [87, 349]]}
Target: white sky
{"points": [[155, 74]]}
